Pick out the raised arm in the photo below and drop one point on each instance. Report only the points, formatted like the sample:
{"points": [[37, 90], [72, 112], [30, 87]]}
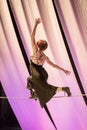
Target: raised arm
{"points": [[57, 67], [37, 21]]}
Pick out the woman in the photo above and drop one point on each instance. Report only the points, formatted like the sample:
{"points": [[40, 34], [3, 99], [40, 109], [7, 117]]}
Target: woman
{"points": [[38, 80]]}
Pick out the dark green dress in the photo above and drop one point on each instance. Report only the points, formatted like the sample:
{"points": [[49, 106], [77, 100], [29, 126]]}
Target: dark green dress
{"points": [[43, 90]]}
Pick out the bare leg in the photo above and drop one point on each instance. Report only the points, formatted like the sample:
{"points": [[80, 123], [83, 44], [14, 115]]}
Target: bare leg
{"points": [[59, 89], [65, 89]]}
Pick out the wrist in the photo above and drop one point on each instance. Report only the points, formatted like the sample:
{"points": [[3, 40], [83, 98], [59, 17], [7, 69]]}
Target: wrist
{"points": [[36, 23], [63, 70]]}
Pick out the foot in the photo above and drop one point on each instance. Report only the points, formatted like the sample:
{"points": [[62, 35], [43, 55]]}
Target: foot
{"points": [[67, 90], [30, 83], [33, 95]]}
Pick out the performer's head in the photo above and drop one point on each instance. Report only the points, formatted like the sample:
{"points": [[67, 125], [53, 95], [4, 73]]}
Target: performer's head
{"points": [[42, 45]]}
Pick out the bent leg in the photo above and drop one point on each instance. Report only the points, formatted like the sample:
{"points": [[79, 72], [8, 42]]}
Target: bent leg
{"points": [[59, 89], [65, 89]]}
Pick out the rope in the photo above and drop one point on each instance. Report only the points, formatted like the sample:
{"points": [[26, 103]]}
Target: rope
{"points": [[79, 95], [13, 97]]}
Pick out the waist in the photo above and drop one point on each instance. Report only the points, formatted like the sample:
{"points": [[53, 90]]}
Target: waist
{"points": [[34, 64], [38, 60]]}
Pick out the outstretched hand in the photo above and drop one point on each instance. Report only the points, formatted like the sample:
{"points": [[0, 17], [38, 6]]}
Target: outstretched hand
{"points": [[67, 72], [37, 20]]}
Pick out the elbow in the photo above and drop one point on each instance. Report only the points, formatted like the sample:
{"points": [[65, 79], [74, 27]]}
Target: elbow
{"points": [[32, 36]]}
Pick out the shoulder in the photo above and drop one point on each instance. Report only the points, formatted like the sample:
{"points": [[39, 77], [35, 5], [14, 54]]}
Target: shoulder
{"points": [[46, 57]]}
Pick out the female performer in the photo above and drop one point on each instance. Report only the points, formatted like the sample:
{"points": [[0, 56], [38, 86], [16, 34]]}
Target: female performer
{"points": [[37, 82]]}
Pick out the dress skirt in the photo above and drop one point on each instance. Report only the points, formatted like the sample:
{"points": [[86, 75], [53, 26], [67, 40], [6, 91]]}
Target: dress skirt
{"points": [[43, 90]]}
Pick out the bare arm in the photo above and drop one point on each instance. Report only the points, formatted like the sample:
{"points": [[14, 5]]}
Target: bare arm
{"points": [[57, 67], [37, 21]]}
